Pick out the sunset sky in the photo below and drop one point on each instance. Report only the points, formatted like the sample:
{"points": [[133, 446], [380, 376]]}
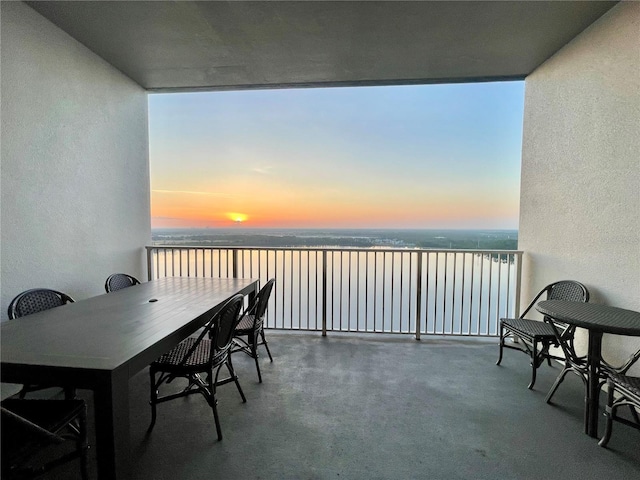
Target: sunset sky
{"points": [[436, 156]]}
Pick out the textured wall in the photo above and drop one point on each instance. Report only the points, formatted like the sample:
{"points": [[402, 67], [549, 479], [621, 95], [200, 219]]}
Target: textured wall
{"points": [[75, 173], [580, 194]]}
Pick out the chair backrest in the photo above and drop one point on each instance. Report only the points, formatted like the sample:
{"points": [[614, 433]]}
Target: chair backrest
{"points": [[36, 300], [568, 290], [118, 281], [263, 299], [227, 319], [220, 331]]}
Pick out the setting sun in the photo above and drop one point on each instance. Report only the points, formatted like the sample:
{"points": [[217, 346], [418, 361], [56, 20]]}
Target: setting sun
{"points": [[237, 217]]}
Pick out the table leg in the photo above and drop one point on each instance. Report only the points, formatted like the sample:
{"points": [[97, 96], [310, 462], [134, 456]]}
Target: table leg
{"points": [[594, 357], [111, 400]]}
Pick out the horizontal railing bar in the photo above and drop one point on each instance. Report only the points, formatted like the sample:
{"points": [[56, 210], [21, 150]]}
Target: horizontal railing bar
{"points": [[333, 249]]}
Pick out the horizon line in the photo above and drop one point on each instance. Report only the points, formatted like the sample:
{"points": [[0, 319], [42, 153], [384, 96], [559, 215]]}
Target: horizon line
{"points": [[331, 228]]}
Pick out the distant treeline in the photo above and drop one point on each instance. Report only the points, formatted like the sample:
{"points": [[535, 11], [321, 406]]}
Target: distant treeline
{"points": [[437, 239]]}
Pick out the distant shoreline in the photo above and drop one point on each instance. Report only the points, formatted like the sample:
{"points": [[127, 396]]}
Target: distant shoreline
{"points": [[479, 239]]}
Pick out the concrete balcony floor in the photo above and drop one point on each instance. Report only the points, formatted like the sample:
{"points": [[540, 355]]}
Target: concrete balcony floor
{"points": [[377, 407]]}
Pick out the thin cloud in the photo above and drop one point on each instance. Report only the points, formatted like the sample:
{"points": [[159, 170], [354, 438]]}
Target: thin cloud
{"points": [[263, 170]]}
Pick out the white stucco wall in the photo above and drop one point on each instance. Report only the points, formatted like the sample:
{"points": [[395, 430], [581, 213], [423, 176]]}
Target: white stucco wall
{"points": [[75, 174], [580, 192]]}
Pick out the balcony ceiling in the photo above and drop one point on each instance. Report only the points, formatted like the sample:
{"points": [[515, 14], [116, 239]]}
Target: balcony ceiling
{"points": [[186, 45]]}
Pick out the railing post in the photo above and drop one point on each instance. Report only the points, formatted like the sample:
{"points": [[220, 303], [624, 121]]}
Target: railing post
{"points": [[324, 293], [149, 254], [418, 295], [235, 263], [518, 284]]}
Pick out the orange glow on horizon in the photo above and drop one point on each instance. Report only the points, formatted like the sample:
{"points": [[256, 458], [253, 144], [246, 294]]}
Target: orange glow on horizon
{"points": [[299, 209]]}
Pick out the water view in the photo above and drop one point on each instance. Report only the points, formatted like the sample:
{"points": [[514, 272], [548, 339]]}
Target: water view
{"points": [[395, 281]]}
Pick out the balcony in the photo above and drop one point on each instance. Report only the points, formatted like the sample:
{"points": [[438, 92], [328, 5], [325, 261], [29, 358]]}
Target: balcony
{"points": [[360, 406], [75, 208]]}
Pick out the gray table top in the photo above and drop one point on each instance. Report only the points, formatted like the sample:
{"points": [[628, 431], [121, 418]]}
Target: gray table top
{"points": [[593, 316], [109, 331]]}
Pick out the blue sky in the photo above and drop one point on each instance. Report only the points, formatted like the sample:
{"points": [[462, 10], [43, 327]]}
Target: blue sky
{"points": [[429, 156]]}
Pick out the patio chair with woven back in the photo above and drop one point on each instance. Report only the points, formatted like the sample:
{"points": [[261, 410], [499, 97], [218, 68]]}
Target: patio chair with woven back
{"points": [[196, 356], [36, 300], [118, 281], [535, 337], [623, 391], [29, 427], [251, 326], [33, 301]]}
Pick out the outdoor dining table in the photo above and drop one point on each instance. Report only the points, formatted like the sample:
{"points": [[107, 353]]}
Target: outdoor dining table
{"points": [[598, 320], [101, 342]]}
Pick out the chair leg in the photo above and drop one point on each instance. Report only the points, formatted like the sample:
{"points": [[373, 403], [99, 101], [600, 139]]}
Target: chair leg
{"points": [[501, 343], [213, 403], [548, 357], [255, 359], [235, 378], [264, 341], [559, 380], [254, 354], [543, 353], [534, 364], [152, 398], [609, 412], [556, 384]]}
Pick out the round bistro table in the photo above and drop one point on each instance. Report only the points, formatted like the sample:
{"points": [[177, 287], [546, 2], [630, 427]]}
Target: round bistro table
{"points": [[598, 320]]}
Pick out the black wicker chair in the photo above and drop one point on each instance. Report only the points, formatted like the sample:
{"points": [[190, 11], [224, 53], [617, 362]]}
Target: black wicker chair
{"points": [[194, 357], [118, 281], [623, 391], [34, 301], [531, 333], [251, 326], [31, 426]]}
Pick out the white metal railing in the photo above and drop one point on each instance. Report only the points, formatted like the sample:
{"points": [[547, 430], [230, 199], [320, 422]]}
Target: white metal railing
{"points": [[421, 292]]}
